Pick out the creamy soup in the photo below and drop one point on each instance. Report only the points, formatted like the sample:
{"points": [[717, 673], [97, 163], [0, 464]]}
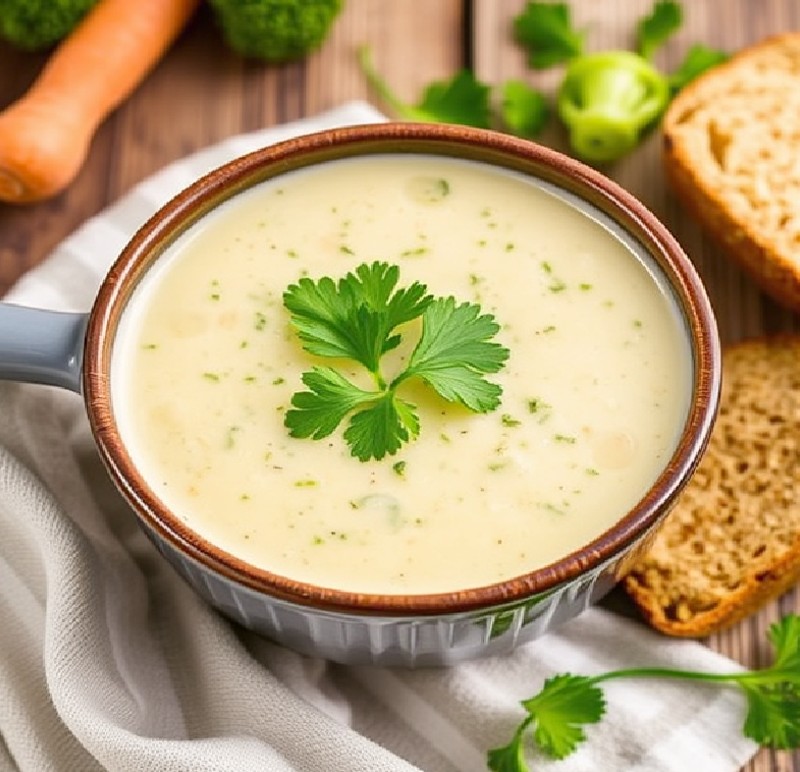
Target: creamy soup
{"points": [[595, 390]]}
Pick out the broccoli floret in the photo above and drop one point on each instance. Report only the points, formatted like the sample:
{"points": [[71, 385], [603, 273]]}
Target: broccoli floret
{"points": [[37, 24], [275, 30]]}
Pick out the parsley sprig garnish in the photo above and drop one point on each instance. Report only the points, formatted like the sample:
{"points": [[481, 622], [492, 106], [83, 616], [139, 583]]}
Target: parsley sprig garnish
{"points": [[557, 714], [357, 318]]}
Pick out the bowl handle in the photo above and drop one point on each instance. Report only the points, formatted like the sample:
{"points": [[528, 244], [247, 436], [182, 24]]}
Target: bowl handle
{"points": [[39, 346]]}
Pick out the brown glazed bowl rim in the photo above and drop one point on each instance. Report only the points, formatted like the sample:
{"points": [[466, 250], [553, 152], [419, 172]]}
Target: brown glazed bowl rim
{"points": [[437, 139]]}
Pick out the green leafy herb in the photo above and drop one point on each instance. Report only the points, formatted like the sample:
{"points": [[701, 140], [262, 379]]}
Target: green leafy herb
{"points": [[524, 110], [654, 30], [608, 100], [546, 31], [356, 318], [462, 99], [567, 703], [698, 59], [556, 716]]}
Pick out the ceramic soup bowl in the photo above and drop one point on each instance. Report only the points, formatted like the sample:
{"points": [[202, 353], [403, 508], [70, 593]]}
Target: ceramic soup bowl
{"points": [[482, 473]]}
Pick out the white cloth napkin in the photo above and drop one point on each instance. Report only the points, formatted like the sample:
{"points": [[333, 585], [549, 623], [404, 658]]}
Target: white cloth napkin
{"points": [[109, 661]]}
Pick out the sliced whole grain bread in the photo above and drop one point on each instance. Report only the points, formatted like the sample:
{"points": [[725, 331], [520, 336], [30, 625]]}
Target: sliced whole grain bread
{"points": [[732, 155], [732, 542]]}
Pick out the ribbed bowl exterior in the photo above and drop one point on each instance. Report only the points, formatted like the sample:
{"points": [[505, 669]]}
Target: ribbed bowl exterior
{"points": [[411, 641]]}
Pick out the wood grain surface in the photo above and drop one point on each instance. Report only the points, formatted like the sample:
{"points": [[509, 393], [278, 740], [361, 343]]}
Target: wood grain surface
{"points": [[201, 93]]}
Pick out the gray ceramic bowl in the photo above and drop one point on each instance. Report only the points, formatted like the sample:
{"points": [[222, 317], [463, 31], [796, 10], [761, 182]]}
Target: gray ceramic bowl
{"points": [[74, 351]]}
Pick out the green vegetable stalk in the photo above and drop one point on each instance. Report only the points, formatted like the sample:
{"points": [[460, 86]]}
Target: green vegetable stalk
{"points": [[556, 716], [460, 100], [608, 100]]}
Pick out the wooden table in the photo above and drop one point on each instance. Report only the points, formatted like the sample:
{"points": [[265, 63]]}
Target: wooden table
{"points": [[201, 93]]}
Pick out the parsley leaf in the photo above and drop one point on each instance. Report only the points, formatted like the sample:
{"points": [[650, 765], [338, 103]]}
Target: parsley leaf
{"points": [[773, 694], [652, 32], [356, 318], [566, 703], [523, 109], [320, 410], [511, 757], [463, 99], [698, 59], [773, 715], [382, 429], [546, 31], [557, 714], [454, 351], [785, 639]]}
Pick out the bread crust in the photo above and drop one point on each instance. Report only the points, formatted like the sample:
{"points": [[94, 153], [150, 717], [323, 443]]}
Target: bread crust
{"points": [[682, 591], [699, 138], [757, 590]]}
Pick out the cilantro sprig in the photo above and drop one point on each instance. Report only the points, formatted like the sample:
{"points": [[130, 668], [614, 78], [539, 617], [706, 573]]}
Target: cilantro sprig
{"points": [[608, 101], [557, 715], [545, 30], [654, 30], [462, 99], [698, 59], [523, 110], [357, 318]]}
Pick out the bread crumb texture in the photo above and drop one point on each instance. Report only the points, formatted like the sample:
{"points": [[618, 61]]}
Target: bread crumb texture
{"points": [[732, 541], [732, 152]]}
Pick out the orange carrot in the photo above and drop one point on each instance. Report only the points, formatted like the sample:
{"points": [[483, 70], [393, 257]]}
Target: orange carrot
{"points": [[45, 135]]}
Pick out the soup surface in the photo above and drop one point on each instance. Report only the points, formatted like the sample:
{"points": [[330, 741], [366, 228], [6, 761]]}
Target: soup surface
{"points": [[595, 389]]}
